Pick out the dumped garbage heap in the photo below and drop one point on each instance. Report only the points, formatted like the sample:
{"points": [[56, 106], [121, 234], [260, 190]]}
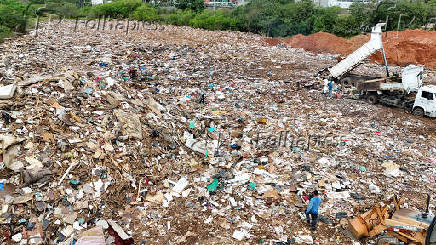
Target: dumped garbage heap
{"points": [[187, 136]]}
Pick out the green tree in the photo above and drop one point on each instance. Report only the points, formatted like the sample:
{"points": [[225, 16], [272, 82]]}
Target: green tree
{"points": [[297, 18], [194, 5], [180, 18], [116, 9], [213, 21], [346, 26], [403, 14], [12, 16], [326, 19], [64, 9], [145, 12], [258, 16]]}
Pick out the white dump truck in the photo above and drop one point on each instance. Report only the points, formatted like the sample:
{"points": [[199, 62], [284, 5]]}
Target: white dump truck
{"points": [[404, 91]]}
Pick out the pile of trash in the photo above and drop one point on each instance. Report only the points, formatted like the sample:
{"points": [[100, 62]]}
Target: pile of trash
{"points": [[184, 135]]}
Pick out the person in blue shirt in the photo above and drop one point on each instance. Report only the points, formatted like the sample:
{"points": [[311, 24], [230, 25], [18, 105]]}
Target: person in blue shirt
{"points": [[312, 209], [330, 84]]}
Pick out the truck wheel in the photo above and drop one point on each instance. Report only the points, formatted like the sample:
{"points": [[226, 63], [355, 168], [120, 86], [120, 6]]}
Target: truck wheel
{"points": [[419, 112], [372, 99]]}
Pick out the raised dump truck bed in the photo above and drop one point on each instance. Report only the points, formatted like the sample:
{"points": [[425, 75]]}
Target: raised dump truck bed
{"points": [[372, 46]]}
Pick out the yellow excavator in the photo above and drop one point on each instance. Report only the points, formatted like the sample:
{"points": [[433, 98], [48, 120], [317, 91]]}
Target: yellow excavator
{"points": [[402, 225]]}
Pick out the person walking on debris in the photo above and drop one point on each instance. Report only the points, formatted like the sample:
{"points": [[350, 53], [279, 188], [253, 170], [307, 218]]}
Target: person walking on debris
{"points": [[132, 73], [330, 88], [202, 96], [312, 210]]}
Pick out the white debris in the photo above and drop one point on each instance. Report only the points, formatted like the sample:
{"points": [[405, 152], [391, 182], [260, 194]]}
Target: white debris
{"points": [[7, 92]]}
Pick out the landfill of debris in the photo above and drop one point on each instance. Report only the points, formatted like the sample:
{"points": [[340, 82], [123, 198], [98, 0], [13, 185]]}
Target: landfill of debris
{"points": [[187, 136]]}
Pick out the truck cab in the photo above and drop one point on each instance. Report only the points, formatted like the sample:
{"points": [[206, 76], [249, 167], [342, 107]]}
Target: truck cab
{"points": [[425, 101]]}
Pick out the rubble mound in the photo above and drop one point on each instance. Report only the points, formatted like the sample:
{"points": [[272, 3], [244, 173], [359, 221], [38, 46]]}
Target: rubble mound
{"points": [[320, 42], [410, 47], [402, 47]]}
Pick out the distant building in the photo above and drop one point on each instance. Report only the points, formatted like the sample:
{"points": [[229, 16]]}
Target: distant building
{"points": [[241, 2], [97, 2], [320, 3], [345, 4], [223, 3]]}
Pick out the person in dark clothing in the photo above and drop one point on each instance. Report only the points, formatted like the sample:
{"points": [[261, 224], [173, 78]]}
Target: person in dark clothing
{"points": [[312, 210], [132, 73], [202, 96]]}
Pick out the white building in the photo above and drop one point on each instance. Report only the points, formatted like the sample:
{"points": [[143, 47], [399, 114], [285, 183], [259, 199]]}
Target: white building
{"points": [[339, 3], [345, 3], [97, 2]]}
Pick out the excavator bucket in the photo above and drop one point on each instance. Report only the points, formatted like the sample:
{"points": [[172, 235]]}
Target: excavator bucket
{"points": [[370, 223], [373, 222]]}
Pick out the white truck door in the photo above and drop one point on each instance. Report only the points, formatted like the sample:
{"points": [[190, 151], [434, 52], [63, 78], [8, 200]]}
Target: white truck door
{"points": [[419, 100], [427, 101], [431, 106]]}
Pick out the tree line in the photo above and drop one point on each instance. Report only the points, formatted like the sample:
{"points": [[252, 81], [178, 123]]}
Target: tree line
{"points": [[273, 18]]}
